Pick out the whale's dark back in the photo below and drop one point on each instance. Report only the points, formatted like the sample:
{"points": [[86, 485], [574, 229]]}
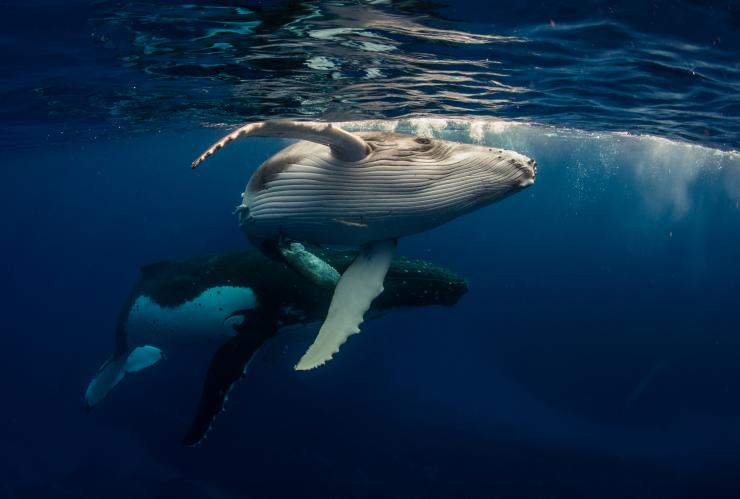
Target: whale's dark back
{"points": [[409, 283]]}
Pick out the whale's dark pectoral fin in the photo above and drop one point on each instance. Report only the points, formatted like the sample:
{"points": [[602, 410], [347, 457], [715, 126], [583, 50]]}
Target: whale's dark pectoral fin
{"points": [[228, 365], [360, 284]]}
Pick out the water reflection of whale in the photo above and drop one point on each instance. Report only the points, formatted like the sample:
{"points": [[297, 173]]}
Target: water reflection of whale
{"points": [[238, 301]]}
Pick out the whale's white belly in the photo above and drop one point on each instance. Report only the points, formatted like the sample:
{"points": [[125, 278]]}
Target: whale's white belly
{"points": [[336, 187], [316, 201], [202, 319]]}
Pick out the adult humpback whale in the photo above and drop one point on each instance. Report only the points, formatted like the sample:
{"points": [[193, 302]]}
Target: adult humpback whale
{"points": [[236, 301], [364, 189]]}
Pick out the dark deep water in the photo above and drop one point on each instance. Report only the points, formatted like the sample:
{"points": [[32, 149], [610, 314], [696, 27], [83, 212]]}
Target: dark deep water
{"points": [[596, 354]]}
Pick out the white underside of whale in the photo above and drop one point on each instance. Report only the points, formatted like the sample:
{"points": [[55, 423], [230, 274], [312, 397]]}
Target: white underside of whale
{"points": [[318, 200], [204, 318], [151, 327]]}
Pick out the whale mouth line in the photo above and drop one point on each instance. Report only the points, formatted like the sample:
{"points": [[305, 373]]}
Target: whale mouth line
{"points": [[236, 313]]}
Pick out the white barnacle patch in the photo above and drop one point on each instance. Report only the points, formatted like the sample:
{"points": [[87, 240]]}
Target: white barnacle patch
{"points": [[204, 318]]}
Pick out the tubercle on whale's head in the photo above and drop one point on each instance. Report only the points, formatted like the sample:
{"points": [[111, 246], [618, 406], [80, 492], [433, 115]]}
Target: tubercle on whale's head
{"points": [[502, 169], [525, 167], [501, 172]]}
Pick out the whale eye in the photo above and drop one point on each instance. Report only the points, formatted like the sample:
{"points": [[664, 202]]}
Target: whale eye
{"points": [[422, 140]]}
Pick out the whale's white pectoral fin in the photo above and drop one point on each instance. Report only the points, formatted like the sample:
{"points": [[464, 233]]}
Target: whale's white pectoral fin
{"points": [[116, 368], [360, 284], [344, 145]]}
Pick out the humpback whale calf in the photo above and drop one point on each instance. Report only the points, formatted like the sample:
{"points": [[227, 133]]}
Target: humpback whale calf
{"points": [[237, 301], [363, 189]]}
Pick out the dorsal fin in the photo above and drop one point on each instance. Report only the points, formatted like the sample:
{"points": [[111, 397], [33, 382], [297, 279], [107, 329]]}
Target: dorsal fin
{"points": [[344, 145]]}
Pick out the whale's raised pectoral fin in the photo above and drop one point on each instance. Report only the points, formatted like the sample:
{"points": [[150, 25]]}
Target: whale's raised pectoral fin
{"points": [[360, 284], [344, 145], [228, 365]]}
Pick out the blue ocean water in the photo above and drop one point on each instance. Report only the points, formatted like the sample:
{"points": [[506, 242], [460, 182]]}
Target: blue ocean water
{"points": [[594, 355]]}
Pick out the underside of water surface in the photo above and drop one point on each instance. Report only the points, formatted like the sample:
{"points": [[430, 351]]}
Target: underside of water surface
{"points": [[120, 67]]}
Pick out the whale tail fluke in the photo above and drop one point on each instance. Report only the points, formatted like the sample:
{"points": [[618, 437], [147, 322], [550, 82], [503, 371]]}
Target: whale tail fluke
{"points": [[116, 368]]}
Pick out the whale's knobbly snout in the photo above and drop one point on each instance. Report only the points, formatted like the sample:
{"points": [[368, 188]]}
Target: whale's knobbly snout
{"points": [[517, 168], [529, 172]]}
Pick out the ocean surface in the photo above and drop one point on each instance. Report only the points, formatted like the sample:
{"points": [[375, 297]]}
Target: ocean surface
{"points": [[596, 353]]}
